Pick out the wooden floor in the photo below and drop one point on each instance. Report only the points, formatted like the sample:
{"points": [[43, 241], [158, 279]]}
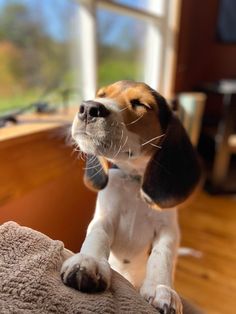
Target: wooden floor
{"points": [[209, 225]]}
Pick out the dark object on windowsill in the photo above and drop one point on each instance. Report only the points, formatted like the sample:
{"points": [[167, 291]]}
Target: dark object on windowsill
{"points": [[5, 120], [44, 107], [39, 107]]}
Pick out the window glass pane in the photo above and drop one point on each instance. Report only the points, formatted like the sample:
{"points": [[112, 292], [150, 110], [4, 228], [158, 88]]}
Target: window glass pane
{"points": [[138, 4], [35, 41], [121, 42]]}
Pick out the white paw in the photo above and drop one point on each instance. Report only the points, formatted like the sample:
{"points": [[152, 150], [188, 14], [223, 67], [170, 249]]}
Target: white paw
{"points": [[163, 298], [86, 274]]}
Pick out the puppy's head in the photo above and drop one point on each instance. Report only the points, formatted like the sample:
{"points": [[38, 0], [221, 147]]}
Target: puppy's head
{"points": [[128, 122]]}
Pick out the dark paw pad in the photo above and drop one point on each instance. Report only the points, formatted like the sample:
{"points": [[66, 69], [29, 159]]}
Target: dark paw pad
{"points": [[80, 280]]}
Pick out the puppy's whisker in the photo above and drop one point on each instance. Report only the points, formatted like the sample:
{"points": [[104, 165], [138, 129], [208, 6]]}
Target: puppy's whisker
{"points": [[76, 146], [121, 138], [120, 148], [152, 139], [129, 153], [77, 150], [100, 153], [157, 146], [111, 146], [73, 152], [84, 133], [91, 159], [134, 120], [163, 167], [123, 109], [82, 155], [114, 149], [96, 173], [117, 152], [92, 167], [122, 135], [79, 153], [125, 141]]}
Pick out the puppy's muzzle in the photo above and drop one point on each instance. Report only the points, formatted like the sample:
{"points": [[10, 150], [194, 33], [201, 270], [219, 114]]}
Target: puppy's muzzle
{"points": [[92, 110]]}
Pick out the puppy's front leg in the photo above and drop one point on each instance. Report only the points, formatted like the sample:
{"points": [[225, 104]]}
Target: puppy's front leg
{"points": [[89, 270], [157, 286]]}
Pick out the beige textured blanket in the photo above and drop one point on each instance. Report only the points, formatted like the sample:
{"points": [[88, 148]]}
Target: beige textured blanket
{"points": [[30, 281]]}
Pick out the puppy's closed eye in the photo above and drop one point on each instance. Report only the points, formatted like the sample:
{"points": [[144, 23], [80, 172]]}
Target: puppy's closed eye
{"points": [[135, 103]]}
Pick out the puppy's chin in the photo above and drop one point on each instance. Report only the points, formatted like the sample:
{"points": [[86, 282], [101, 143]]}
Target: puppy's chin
{"points": [[87, 147], [91, 146], [115, 144]]}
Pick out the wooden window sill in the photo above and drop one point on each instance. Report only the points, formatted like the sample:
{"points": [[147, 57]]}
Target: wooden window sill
{"points": [[33, 123]]}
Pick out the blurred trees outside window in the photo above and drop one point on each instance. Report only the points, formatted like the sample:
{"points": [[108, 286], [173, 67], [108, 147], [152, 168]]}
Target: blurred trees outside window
{"points": [[121, 41], [34, 49]]}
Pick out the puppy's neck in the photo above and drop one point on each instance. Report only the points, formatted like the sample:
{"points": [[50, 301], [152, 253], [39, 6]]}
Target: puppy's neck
{"points": [[133, 166]]}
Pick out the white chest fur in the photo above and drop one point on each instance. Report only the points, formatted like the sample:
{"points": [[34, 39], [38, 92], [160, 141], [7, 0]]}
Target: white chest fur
{"points": [[135, 224]]}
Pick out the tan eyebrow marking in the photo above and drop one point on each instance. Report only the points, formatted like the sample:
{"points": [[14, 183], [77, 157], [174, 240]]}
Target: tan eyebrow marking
{"points": [[101, 94]]}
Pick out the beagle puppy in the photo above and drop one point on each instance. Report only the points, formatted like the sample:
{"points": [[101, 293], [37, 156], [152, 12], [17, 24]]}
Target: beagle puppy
{"points": [[141, 160]]}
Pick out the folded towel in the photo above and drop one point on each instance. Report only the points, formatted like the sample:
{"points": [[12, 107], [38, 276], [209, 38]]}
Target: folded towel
{"points": [[30, 280]]}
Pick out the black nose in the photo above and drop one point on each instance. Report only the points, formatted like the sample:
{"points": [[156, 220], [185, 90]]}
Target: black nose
{"points": [[90, 109]]}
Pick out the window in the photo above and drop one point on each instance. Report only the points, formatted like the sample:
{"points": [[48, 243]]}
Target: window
{"points": [[49, 49]]}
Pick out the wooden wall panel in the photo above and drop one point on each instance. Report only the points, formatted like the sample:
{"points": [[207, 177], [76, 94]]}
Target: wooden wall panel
{"points": [[41, 187]]}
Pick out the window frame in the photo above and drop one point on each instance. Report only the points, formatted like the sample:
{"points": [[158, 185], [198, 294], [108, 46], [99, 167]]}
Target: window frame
{"points": [[163, 19]]}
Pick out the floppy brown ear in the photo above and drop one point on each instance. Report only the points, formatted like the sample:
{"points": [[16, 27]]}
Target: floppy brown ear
{"points": [[174, 170], [95, 176]]}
